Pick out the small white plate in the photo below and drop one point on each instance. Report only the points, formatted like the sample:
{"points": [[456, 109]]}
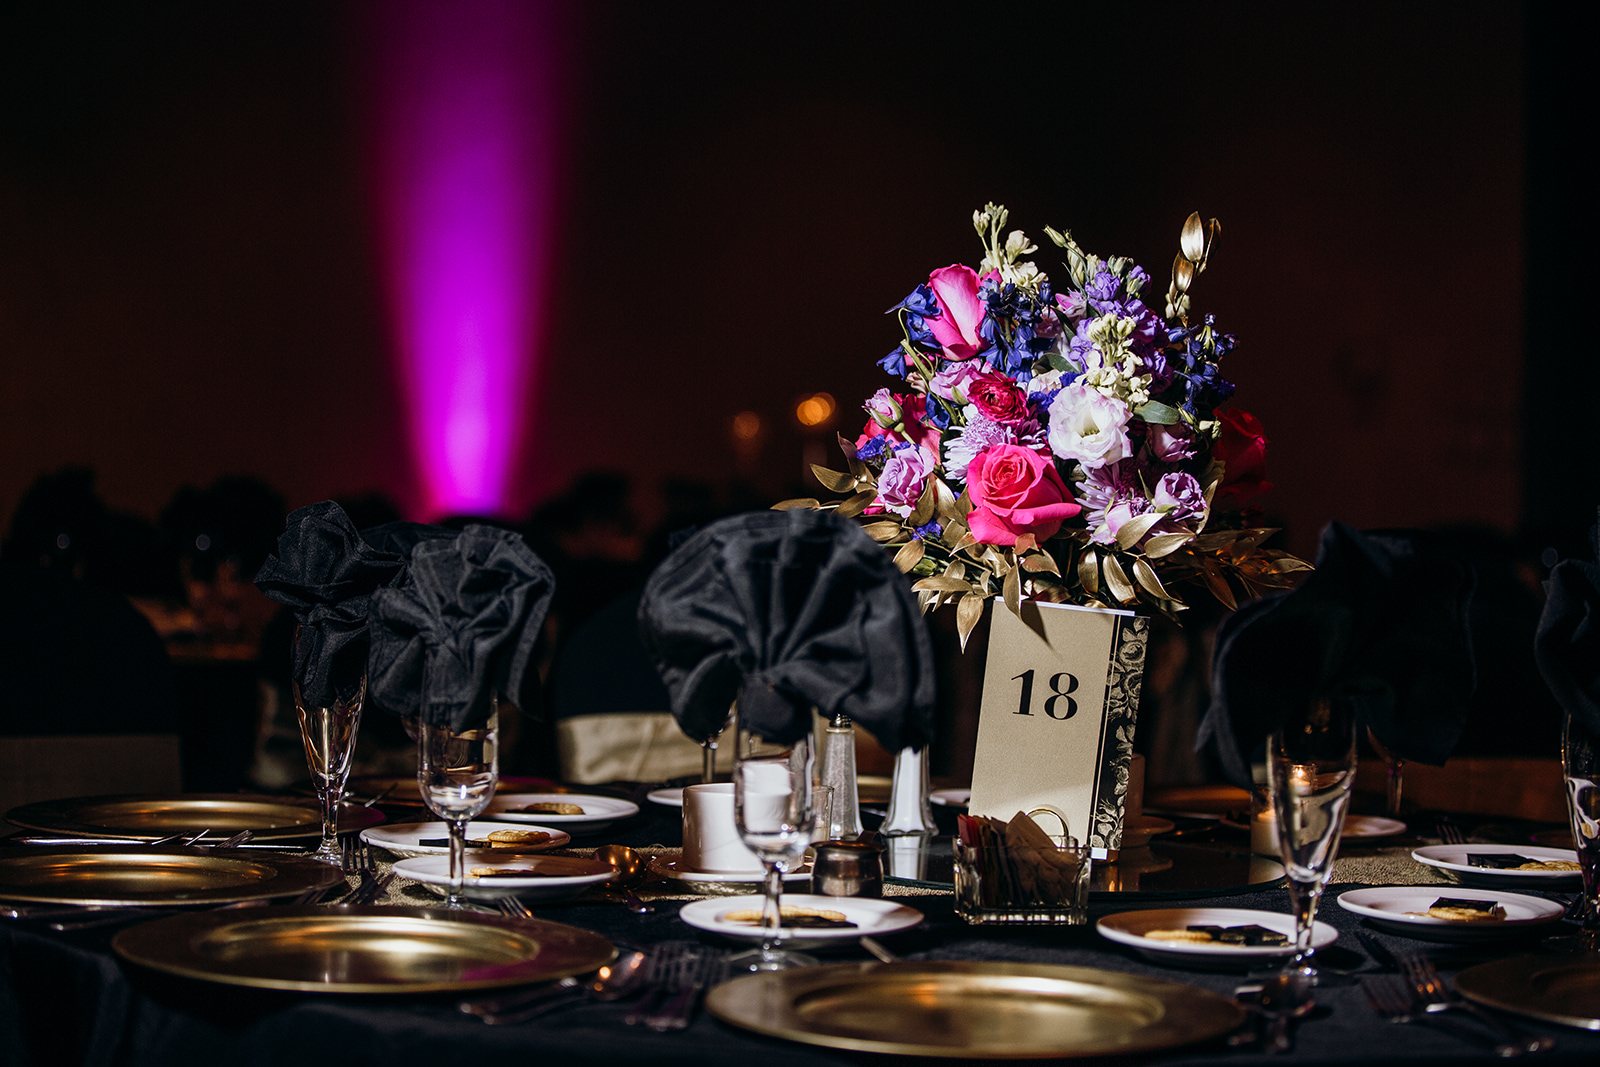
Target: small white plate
{"points": [[549, 877], [598, 811], [1128, 928], [873, 917], [405, 838], [1359, 826], [1453, 858], [1392, 908], [672, 798], [950, 798], [719, 883]]}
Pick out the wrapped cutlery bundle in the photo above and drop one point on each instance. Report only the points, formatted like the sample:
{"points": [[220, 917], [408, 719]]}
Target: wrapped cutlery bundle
{"points": [[1014, 872]]}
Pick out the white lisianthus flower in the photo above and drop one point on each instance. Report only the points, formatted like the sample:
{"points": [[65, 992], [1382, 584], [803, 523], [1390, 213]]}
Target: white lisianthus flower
{"points": [[1089, 427]]}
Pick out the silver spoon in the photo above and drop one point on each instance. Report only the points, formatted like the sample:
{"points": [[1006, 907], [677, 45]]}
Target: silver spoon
{"points": [[632, 869], [1284, 997], [620, 978]]}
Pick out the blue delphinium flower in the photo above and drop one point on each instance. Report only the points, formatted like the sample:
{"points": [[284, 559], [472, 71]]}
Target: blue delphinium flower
{"points": [[931, 529]]}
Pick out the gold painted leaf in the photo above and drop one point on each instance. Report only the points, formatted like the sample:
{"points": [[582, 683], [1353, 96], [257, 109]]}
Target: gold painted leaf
{"points": [[798, 502], [1011, 589], [1129, 533], [1166, 544], [909, 556], [1026, 543], [1117, 583], [925, 505], [1289, 565], [1040, 563], [1089, 572], [942, 583], [883, 532], [956, 570], [968, 612], [1219, 586], [1193, 240], [1147, 577], [839, 483], [945, 501], [855, 505], [1182, 274]]}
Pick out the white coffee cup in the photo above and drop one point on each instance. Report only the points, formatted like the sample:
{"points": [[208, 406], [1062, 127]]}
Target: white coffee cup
{"points": [[710, 835]]}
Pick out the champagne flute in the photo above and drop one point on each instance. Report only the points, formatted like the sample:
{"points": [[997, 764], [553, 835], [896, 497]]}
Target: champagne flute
{"points": [[1312, 767], [329, 735], [457, 774], [708, 749], [1580, 764], [772, 804]]}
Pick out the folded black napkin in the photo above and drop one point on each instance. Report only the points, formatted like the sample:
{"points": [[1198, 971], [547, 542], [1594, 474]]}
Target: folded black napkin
{"points": [[1567, 645], [1380, 628], [789, 611], [461, 627], [325, 573]]}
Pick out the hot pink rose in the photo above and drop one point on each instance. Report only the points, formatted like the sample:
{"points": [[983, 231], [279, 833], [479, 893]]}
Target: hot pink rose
{"points": [[1015, 490], [997, 397], [961, 311], [913, 410]]}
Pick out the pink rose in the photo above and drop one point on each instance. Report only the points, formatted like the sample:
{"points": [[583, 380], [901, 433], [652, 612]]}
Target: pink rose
{"points": [[1015, 490], [961, 311], [913, 409], [953, 380], [998, 398], [901, 483]]}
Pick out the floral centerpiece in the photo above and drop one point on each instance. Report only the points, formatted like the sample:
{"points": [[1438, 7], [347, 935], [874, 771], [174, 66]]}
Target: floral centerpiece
{"points": [[1065, 444]]}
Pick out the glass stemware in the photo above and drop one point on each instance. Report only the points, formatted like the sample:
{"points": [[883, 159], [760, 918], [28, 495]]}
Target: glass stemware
{"points": [[457, 774], [772, 804], [1580, 764], [1311, 769], [708, 749], [329, 736]]}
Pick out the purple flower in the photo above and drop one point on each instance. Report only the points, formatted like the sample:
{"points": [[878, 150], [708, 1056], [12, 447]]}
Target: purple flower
{"points": [[951, 380], [1171, 444], [904, 475], [1110, 496], [1180, 496], [931, 530]]}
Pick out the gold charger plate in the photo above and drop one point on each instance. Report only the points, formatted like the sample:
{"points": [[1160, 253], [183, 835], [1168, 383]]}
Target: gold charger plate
{"points": [[362, 949], [147, 818], [134, 876], [1556, 988], [974, 1010]]}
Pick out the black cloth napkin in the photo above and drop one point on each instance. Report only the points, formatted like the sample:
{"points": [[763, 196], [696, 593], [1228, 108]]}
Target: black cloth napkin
{"points": [[461, 627], [789, 610], [1567, 644], [325, 572], [1380, 628]]}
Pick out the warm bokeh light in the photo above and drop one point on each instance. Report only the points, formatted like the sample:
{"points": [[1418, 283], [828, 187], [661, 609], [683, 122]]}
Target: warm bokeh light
{"points": [[465, 145], [746, 426], [815, 410]]}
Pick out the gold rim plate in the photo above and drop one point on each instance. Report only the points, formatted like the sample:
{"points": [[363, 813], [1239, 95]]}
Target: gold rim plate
{"points": [[361, 949], [148, 817], [109, 876], [401, 791], [974, 1010], [1555, 988]]}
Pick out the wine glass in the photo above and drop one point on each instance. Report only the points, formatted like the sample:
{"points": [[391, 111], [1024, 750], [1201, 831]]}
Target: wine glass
{"points": [[1580, 764], [772, 805], [329, 735], [457, 773], [1312, 767], [708, 749]]}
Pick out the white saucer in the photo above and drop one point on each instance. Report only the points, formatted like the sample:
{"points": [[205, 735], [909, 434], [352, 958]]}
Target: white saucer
{"points": [[405, 838], [672, 798], [1453, 858], [1359, 826], [950, 798], [720, 883], [598, 811], [873, 917], [564, 877], [1128, 928], [1390, 908]]}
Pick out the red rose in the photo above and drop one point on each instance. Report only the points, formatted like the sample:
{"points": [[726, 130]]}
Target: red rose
{"points": [[1015, 490], [997, 397], [1243, 449]]}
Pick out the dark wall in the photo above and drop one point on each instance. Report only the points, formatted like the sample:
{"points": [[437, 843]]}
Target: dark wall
{"points": [[187, 287]]}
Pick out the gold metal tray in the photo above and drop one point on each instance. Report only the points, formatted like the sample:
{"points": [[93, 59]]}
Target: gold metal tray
{"points": [[150, 817], [974, 1010], [136, 876], [1557, 988], [358, 949]]}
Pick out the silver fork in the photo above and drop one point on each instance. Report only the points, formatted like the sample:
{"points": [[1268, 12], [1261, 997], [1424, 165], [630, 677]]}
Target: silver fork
{"points": [[699, 969], [514, 908], [1434, 995], [1450, 833], [1389, 1002]]}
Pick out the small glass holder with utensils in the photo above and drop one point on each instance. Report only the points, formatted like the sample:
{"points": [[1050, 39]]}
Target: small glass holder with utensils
{"points": [[1016, 873]]}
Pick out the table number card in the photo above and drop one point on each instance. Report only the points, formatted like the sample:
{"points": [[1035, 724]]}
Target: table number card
{"points": [[1060, 693]]}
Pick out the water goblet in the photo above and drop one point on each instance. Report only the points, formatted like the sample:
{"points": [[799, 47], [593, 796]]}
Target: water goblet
{"points": [[772, 803], [329, 735], [1311, 768], [1580, 765], [457, 773]]}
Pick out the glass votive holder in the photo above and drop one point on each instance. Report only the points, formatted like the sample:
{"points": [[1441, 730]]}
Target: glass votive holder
{"points": [[1042, 886]]}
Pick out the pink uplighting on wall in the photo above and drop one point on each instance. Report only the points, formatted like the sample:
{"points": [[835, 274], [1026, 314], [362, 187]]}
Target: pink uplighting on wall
{"points": [[465, 148]]}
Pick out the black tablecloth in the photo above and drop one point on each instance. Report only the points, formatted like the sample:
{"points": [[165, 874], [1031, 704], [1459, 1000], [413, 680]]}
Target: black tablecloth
{"points": [[65, 999]]}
